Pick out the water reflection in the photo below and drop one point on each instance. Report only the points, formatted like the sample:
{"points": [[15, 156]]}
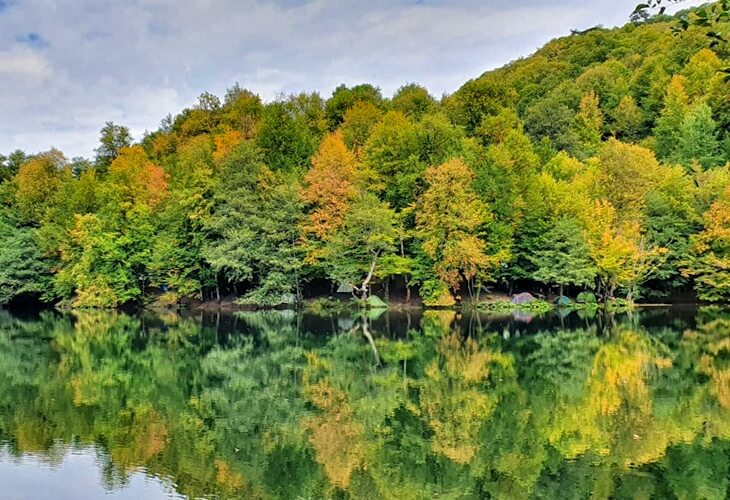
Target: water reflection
{"points": [[386, 404]]}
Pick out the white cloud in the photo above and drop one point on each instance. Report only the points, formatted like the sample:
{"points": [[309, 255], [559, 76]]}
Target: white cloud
{"points": [[24, 64]]}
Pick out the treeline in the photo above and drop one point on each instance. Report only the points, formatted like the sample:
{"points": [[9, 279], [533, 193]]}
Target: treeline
{"points": [[598, 163]]}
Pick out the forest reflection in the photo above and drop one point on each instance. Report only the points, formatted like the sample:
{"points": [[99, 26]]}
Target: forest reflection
{"points": [[378, 405]]}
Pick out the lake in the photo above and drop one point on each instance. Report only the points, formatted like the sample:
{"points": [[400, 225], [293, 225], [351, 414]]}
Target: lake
{"points": [[377, 405]]}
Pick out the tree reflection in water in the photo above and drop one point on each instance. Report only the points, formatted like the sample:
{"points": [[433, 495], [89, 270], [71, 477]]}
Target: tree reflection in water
{"points": [[286, 405]]}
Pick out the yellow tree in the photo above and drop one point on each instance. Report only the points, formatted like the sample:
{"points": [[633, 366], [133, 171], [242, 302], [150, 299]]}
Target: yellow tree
{"points": [[709, 254], [448, 224], [627, 173], [135, 179], [37, 182], [621, 253], [329, 187]]}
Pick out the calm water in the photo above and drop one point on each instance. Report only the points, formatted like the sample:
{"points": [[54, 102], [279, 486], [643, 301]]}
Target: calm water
{"points": [[286, 405]]}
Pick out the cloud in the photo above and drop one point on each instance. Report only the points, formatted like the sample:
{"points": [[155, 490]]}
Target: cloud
{"points": [[23, 64], [133, 62], [33, 40]]}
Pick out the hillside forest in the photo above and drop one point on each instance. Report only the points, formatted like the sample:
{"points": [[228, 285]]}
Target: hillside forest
{"points": [[600, 163]]}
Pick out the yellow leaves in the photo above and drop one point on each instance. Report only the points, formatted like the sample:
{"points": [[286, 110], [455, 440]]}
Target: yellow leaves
{"points": [[590, 112], [225, 142], [448, 219], [136, 179], [453, 397], [618, 249], [37, 181], [225, 477], [709, 252], [628, 172], [329, 186]]}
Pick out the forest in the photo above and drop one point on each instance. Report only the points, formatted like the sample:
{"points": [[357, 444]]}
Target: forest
{"points": [[600, 163]]}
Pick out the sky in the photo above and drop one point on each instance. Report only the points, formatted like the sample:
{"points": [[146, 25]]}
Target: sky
{"points": [[69, 66]]}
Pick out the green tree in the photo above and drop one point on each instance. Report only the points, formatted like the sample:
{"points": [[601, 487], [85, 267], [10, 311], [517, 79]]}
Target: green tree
{"points": [[698, 139], [344, 97], [23, 269], [627, 119], [284, 139], [254, 228], [413, 100], [563, 257], [368, 235], [112, 139], [668, 126]]}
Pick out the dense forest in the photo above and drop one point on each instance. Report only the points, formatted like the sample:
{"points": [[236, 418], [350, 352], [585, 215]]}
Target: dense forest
{"points": [[599, 163]]}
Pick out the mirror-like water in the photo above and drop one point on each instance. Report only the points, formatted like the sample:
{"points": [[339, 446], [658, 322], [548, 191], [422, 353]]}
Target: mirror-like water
{"points": [[382, 405]]}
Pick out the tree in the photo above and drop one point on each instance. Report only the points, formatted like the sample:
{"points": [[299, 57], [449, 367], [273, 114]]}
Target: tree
{"points": [[367, 235], [329, 187], [700, 71], [254, 228], [589, 125], [413, 101], [284, 139], [698, 139], [9, 165], [393, 153], [37, 182], [134, 179], [23, 269], [177, 262], [667, 130], [344, 97], [627, 173], [111, 141], [708, 262], [563, 257], [242, 110], [448, 221], [623, 256], [627, 119], [358, 122], [477, 99]]}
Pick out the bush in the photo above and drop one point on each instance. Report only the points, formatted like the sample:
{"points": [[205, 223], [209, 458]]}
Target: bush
{"points": [[586, 298]]}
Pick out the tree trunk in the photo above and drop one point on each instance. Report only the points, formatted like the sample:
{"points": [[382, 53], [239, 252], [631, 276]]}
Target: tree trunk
{"points": [[366, 333], [366, 282]]}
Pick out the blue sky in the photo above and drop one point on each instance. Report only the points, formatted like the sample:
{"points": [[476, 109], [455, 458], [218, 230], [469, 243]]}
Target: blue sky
{"points": [[67, 66]]}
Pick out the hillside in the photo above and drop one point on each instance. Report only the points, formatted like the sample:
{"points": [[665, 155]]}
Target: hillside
{"points": [[598, 163]]}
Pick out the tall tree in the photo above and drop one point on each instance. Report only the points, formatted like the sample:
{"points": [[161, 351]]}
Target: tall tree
{"points": [[698, 142], [255, 228], [367, 235], [668, 126], [112, 139], [329, 188], [563, 257], [449, 219], [708, 262]]}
